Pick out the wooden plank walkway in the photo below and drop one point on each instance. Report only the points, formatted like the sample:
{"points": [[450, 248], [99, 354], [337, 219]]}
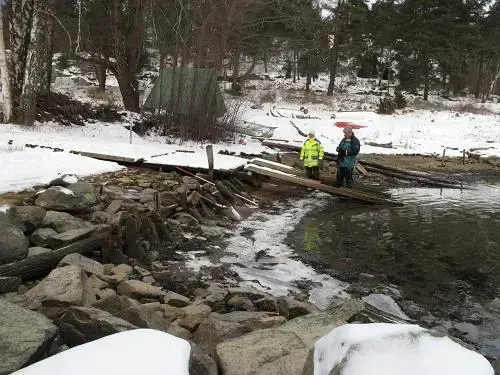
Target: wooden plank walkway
{"points": [[324, 178], [342, 192]]}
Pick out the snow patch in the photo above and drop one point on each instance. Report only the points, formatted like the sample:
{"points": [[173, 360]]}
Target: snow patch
{"points": [[5, 208], [394, 349], [70, 179], [276, 271], [140, 351]]}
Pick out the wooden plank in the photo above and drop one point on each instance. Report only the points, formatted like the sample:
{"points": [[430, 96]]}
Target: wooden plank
{"points": [[324, 178], [210, 157], [116, 158], [361, 169], [343, 192]]}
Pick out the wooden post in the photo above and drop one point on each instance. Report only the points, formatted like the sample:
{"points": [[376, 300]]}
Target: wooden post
{"points": [[210, 156], [463, 156], [444, 153], [156, 202]]}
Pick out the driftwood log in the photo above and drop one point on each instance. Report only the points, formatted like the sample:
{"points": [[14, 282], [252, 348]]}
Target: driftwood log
{"points": [[425, 175], [423, 180], [40, 265]]}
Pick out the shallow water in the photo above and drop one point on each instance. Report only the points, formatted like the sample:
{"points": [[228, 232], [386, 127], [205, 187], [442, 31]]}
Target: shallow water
{"points": [[441, 249]]}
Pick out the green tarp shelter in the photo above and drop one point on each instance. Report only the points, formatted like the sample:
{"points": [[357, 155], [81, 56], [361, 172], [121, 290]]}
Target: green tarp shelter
{"points": [[188, 91]]}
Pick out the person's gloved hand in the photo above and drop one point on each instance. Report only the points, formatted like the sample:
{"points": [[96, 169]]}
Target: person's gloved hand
{"points": [[321, 165], [337, 149], [341, 154]]}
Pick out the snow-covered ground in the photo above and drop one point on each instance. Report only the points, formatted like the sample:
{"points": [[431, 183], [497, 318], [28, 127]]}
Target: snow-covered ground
{"points": [[393, 349], [127, 353]]}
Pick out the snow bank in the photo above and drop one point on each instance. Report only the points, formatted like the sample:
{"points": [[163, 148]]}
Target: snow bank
{"points": [[394, 349], [422, 132], [141, 351], [24, 169]]}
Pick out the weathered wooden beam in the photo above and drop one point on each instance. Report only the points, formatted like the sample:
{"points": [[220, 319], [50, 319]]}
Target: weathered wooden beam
{"points": [[343, 192], [40, 265]]}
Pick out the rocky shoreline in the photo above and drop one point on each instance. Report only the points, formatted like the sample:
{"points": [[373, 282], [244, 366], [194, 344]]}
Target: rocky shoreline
{"points": [[151, 224]]}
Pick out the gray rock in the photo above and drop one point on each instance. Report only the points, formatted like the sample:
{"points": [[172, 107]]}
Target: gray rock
{"points": [[240, 303], [290, 308], [172, 313], [252, 320], [385, 304], [251, 293], [217, 297], [194, 315], [138, 289], [144, 318], [65, 180], [187, 219], [201, 363], [63, 222], [98, 283], [43, 236], [267, 304], [270, 352], [213, 331], [84, 324], [37, 250], [86, 191], [9, 284], [25, 336], [89, 265], [100, 217], [169, 198], [63, 287], [153, 306], [176, 330], [114, 206], [176, 300], [70, 236], [104, 293], [190, 183], [58, 198], [28, 218], [13, 244], [122, 269], [115, 304]]}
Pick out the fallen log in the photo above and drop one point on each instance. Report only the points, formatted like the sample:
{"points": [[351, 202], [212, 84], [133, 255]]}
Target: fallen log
{"points": [[425, 175], [40, 265], [422, 180]]}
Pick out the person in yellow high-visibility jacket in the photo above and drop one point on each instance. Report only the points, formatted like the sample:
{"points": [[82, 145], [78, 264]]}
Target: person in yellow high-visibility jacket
{"points": [[312, 156]]}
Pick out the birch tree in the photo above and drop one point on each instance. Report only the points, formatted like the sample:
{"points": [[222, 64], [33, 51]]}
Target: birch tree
{"points": [[7, 100]]}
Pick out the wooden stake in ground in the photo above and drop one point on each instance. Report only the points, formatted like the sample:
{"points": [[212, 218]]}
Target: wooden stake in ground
{"points": [[210, 156], [463, 156], [444, 154]]}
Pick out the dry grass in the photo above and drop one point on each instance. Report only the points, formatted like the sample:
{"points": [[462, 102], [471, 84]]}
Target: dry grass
{"points": [[268, 97], [307, 97], [474, 108]]}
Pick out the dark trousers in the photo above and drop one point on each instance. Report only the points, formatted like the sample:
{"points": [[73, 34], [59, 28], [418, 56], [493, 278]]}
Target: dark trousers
{"points": [[312, 172], [344, 176]]}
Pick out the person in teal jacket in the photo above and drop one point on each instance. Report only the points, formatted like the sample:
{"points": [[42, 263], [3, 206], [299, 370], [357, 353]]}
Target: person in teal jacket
{"points": [[346, 158], [312, 155]]}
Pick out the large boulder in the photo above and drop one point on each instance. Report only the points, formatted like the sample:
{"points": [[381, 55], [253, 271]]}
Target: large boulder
{"points": [[70, 236], [43, 237], [63, 287], [138, 289], [176, 300], [200, 363], [83, 324], [194, 315], [291, 308], [270, 352], [285, 347], [25, 336], [90, 266], [13, 245], [26, 218], [86, 191], [63, 222], [384, 348], [59, 198], [134, 313]]}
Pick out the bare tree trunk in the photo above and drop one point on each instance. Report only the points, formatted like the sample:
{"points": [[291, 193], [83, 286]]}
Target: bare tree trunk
{"points": [[308, 72], [264, 59], [128, 29], [100, 72], [20, 31], [477, 88], [236, 71], [35, 78], [7, 99], [294, 66], [334, 57]]}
